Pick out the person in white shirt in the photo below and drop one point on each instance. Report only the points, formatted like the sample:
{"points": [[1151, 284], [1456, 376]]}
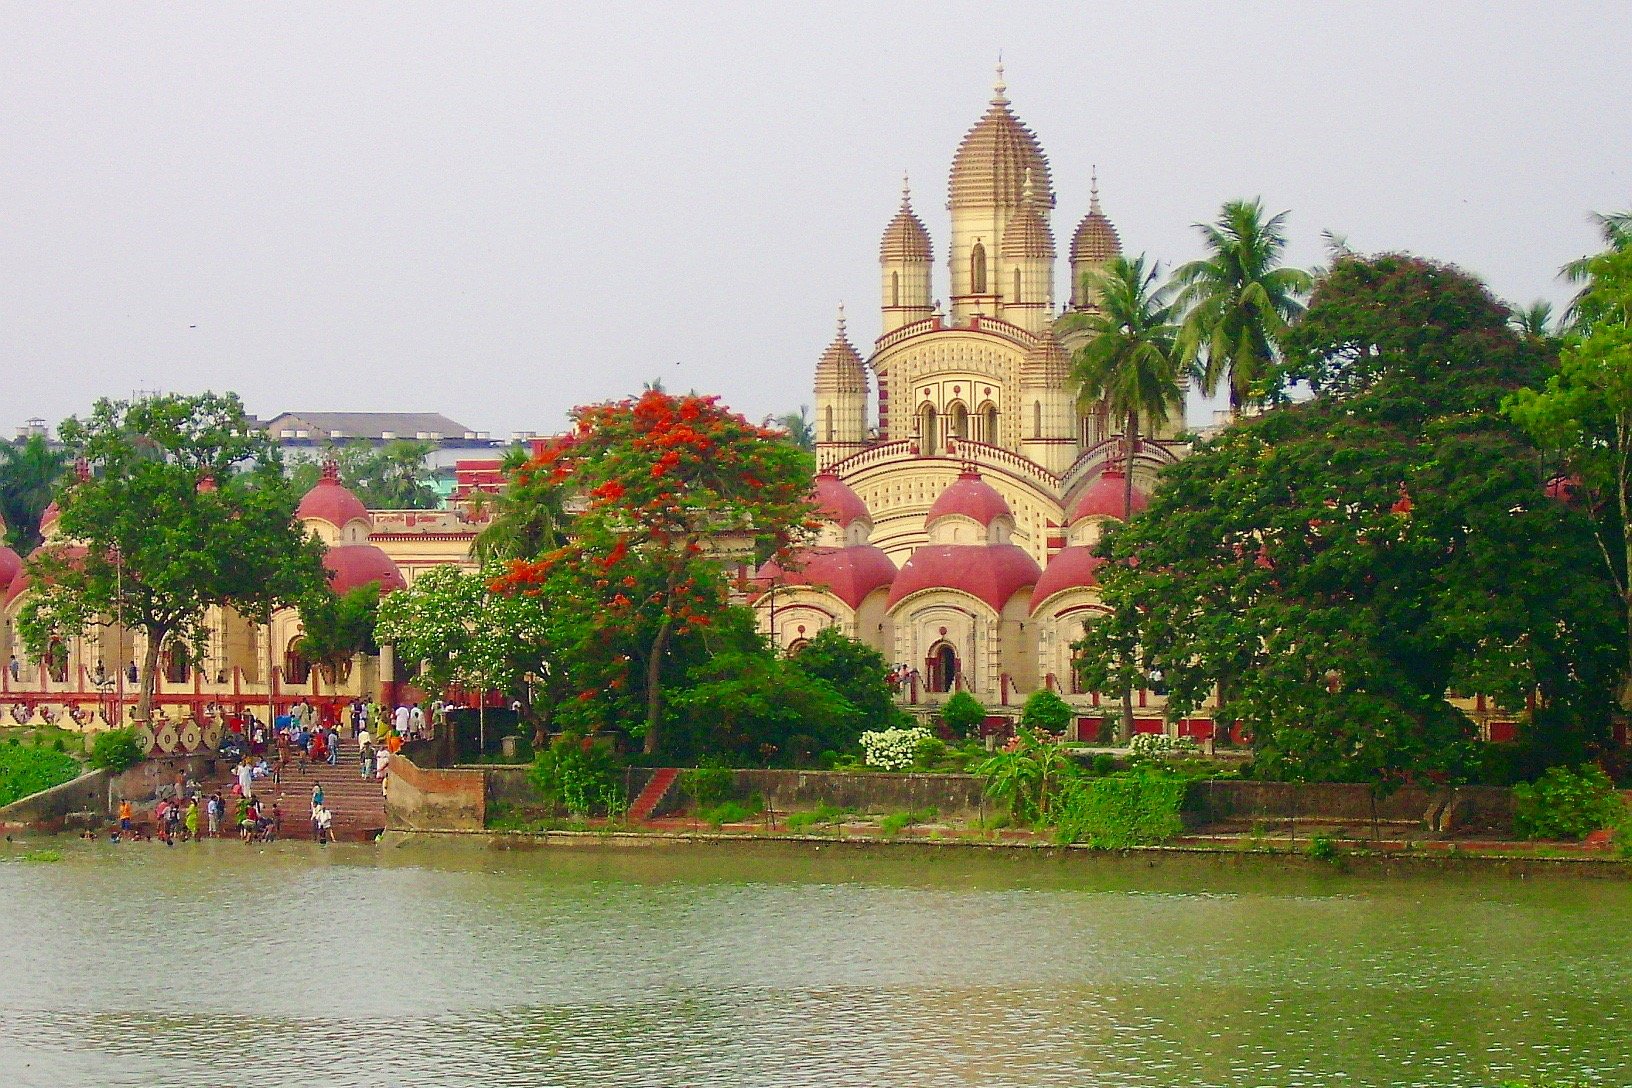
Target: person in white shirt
{"points": [[416, 721], [402, 720], [362, 737]]}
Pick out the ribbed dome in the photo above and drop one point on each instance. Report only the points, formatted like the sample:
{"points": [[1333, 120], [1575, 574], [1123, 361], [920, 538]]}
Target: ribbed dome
{"points": [[1046, 362], [1106, 497], [1096, 239], [990, 572], [971, 497], [1027, 235], [906, 238], [836, 502], [1070, 568], [991, 163], [330, 501], [840, 369], [850, 574], [353, 565], [49, 516]]}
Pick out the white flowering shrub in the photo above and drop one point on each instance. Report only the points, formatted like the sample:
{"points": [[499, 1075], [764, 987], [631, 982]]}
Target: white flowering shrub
{"points": [[1159, 747], [891, 749]]}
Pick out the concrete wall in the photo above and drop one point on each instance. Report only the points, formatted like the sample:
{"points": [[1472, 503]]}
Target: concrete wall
{"points": [[141, 783], [1481, 807], [46, 810], [791, 791], [419, 798]]}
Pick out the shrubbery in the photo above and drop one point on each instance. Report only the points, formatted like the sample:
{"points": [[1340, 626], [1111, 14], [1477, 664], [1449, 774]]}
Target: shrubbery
{"points": [[24, 771], [580, 776], [963, 714], [1565, 804], [116, 750], [892, 749], [1140, 808]]}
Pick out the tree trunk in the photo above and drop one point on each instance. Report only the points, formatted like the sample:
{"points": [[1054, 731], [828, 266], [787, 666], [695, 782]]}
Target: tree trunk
{"points": [[1130, 434], [150, 666], [654, 686]]}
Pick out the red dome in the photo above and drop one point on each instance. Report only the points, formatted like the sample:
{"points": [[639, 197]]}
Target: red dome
{"points": [[330, 501], [850, 574], [11, 564], [992, 572], [836, 502], [1069, 569], [23, 579], [1107, 497], [353, 565], [49, 516], [972, 497]]}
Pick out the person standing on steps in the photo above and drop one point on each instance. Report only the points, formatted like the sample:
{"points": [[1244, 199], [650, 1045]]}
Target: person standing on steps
{"points": [[323, 822], [190, 821], [401, 719]]}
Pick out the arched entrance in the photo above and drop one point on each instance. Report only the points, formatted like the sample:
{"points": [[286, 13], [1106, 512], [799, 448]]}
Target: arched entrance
{"points": [[941, 667], [928, 438], [296, 669]]}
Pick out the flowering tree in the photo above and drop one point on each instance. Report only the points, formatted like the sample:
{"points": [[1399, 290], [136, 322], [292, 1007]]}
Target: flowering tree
{"points": [[670, 486]]}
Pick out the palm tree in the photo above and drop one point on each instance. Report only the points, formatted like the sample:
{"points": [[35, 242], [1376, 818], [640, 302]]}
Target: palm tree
{"points": [[1237, 301], [1615, 228], [529, 514], [28, 475], [800, 426], [1128, 360], [1535, 321], [1129, 363]]}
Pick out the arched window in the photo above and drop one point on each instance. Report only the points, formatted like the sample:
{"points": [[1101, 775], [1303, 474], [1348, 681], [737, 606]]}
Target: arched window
{"points": [[174, 662], [1036, 419], [829, 423], [895, 288], [928, 439], [1016, 297], [296, 669], [941, 667], [991, 424], [960, 422], [977, 270]]}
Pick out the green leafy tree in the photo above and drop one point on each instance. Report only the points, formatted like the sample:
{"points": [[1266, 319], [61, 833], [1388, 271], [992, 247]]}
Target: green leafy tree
{"points": [[337, 627], [1129, 363], [963, 713], [857, 672], [1238, 302], [1582, 415], [754, 706], [116, 750], [1337, 567], [668, 483], [1535, 321], [29, 472], [1046, 711], [800, 427], [528, 514], [184, 507]]}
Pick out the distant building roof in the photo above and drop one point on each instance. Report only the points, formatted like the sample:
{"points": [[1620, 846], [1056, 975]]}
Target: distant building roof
{"points": [[321, 425]]}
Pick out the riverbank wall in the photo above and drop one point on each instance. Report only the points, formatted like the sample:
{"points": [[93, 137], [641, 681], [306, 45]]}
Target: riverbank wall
{"points": [[51, 809], [460, 798], [1202, 857]]}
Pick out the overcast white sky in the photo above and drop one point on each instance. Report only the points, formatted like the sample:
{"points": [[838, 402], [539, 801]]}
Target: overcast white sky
{"points": [[500, 211]]}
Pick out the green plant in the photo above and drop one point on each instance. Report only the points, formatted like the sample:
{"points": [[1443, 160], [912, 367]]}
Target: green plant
{"points": [[579, 775], [707, 784], [1565, 804], [1137, 808], [928, 754], [963, 713], [1046, 711], [822, 815], [116, 750], [732, 812], [896, 822], [1103, 765], [1323, 848], [43, 855], [1027, 774], [25, 771]]}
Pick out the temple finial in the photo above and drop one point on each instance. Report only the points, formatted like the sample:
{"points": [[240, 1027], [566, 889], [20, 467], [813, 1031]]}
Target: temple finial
{"points": [[999, 88], [1093, 190], [1025, 189], [906, 188], [841, 321]]}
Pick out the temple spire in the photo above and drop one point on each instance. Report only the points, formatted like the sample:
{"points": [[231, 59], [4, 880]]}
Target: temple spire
{"points": [[999, 88], [1093, 190]]}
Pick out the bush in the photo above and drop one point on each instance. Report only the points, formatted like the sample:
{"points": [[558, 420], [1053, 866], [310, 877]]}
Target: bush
{"points": [[822, 815], [892, 749], [1565, 804], [708, 783], [1159, 748], [579, 775], [116, 750], [963, 714], [1047, 711], [1103, 764], [25, 771], [1122, 810]]}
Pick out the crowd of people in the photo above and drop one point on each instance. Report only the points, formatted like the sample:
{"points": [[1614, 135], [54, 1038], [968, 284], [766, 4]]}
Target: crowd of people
{"points": [[300, 742]]}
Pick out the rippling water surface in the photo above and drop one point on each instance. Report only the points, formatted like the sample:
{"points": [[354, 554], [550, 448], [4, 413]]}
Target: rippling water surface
{"points": [[455, 966]]}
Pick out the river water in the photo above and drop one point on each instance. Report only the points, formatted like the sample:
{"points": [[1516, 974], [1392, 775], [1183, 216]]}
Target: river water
{"points": [[453, 965]]}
